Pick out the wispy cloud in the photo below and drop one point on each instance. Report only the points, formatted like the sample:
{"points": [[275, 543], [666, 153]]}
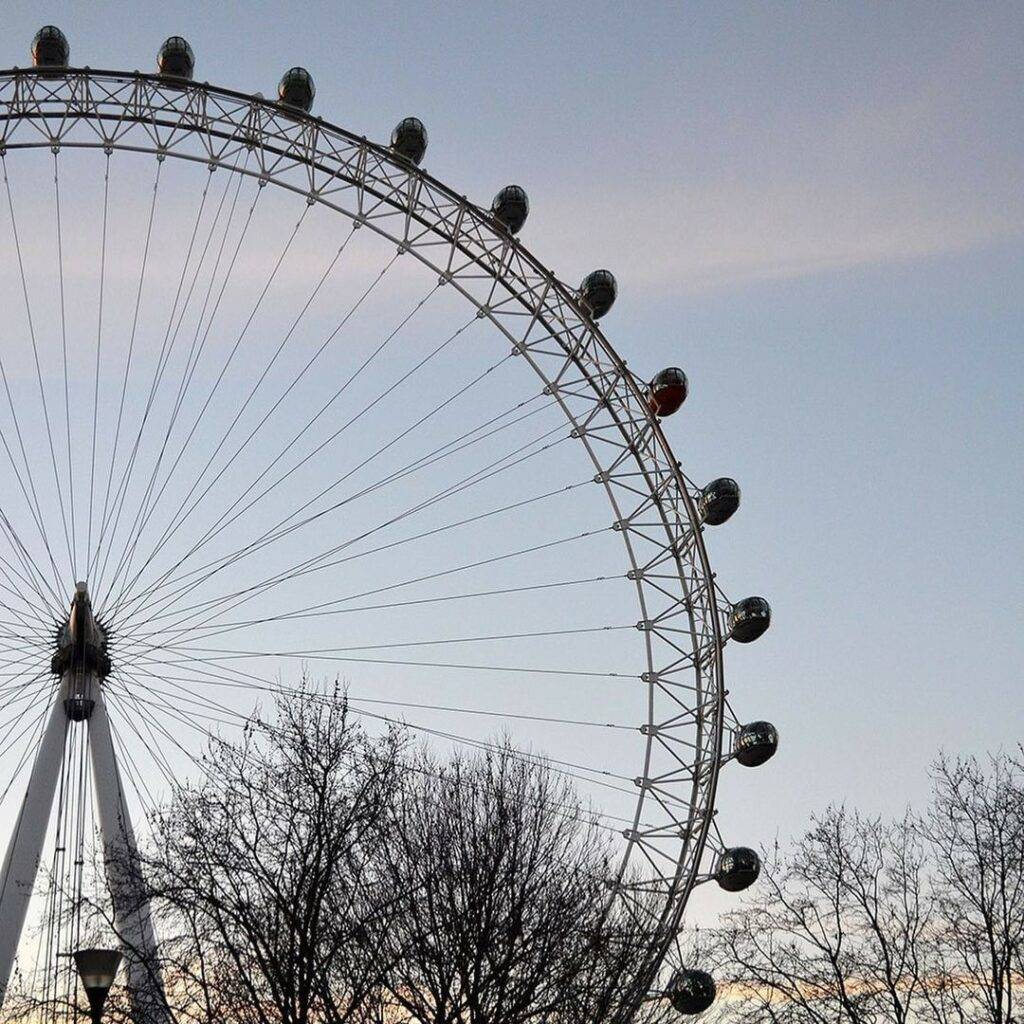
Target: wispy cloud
{"points": [[911, 177]]}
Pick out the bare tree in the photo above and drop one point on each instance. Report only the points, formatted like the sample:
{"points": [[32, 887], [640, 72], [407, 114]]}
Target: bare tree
{"points": [[316, 875], [866, 921], [975, 828], [261, 874], [832, 932], [502, 890]]}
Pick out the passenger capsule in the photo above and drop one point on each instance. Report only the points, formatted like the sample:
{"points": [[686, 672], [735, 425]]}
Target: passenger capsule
{"points": [[409, 139], [50, 48], [176, 59], [738, 868], [719, 500], [598, 291], [668, 391], [296, 89], [511, 208], [749, 619], [691, 992], [755, 743]]}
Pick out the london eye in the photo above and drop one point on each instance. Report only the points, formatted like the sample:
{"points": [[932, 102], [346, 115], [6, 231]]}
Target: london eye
{"points": [[279, 402]]}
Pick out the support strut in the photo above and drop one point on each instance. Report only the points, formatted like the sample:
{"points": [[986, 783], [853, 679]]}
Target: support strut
{"points": [[132, 920], [82, 663], [26, 844]]}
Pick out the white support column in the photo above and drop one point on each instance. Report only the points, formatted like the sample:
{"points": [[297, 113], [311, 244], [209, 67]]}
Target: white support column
{"points": [[131, 909], [81, 657], [26, 844]]}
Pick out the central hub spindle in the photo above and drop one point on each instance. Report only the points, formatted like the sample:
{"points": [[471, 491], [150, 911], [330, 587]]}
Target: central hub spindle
{"points": [[81, 658]]}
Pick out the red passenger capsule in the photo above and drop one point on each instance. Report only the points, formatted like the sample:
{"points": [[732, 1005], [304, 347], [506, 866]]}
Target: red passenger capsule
{"points": [[667, 391]]}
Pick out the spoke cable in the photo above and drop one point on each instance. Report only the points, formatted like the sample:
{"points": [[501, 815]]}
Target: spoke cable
{"points": [[35, 355], [64, 352], [309, 565], [129, 551], [144, 263], [99, 340], [181, 514]]}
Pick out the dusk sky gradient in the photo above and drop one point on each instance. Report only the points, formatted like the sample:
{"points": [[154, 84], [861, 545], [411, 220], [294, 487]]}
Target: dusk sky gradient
{"points": [[817, 211]]}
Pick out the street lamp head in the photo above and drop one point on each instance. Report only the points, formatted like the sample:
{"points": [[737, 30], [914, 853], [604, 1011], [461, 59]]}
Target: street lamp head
{"points": [[97, 968]]}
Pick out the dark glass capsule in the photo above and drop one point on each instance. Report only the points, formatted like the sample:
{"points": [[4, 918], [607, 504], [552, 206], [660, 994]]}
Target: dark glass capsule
{"points": [[176, 59], [719, 500], [511, 207], [409, 139], [755, 743], [667, 391], [50, 48], [691, 992], [738, 868], [749, 619], [598, 291], [296, 89]]}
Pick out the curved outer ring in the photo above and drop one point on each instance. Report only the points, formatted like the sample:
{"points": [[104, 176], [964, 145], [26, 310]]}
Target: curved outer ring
{"points": [[653, 501]]}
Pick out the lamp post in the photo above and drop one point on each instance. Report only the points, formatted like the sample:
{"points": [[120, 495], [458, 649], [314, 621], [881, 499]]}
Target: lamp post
{"points": [[96, 968]]}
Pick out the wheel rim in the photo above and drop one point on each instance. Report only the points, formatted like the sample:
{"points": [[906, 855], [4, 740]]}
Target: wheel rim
{"points": [[604, 403]]}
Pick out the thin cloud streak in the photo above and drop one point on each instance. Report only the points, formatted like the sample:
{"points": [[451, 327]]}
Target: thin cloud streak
{"points": [[876, 184], [700, 239]]}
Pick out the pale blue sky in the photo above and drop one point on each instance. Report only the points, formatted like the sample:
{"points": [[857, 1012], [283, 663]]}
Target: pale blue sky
{"points": [[816, 210]]}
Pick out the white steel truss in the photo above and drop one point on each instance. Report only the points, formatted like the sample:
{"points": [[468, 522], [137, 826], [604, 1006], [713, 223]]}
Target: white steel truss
{"points": [[669, 847]]}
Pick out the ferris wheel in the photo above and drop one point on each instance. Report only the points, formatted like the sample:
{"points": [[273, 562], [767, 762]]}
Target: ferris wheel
{"points": [[349, 425]]}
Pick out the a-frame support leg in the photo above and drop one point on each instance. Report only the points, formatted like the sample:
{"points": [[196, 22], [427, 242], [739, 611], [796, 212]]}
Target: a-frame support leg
{"points": [[124, 875], [132, 920], [25, 848]]}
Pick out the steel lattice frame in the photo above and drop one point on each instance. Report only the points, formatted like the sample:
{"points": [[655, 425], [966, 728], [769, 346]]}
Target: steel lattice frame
{"points": [[682, 612]]}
